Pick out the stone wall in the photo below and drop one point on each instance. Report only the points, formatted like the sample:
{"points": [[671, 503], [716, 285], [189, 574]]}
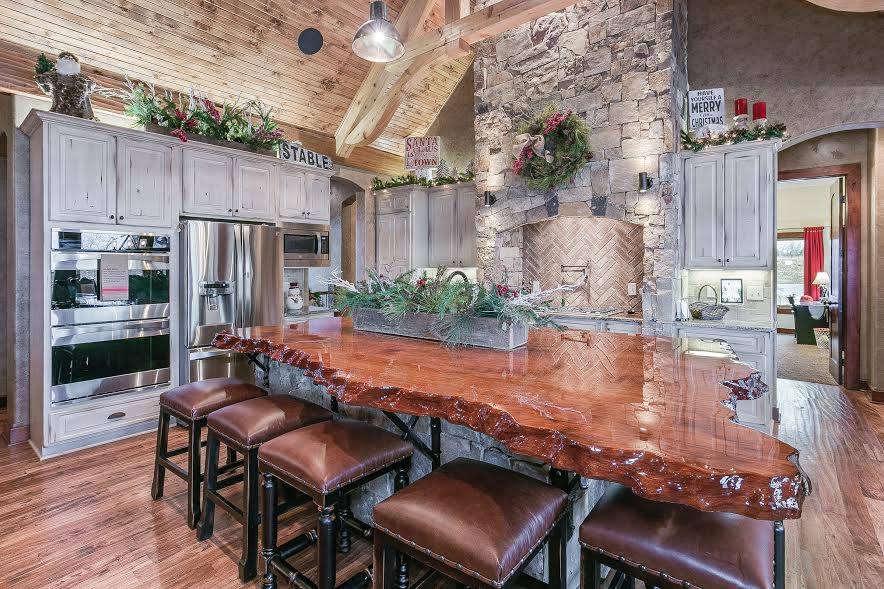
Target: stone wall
{"points": [[816, 68], [622, 66], [456, 441]]}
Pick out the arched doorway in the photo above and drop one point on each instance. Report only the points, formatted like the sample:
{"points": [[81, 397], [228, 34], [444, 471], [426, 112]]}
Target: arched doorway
{"points": [[834, 162]]}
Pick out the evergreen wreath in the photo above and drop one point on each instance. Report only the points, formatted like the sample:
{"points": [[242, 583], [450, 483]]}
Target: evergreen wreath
{"points": [[551, 149], [732, 136]]}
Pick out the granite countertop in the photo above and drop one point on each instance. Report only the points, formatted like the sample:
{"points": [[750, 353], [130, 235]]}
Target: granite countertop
{"points": [[626, 317], [761, 325]]}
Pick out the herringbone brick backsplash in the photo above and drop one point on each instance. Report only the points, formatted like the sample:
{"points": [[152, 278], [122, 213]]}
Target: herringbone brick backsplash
{"points": [[611, 251]]}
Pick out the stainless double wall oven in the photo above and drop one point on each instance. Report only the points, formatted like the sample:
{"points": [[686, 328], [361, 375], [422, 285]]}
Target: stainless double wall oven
{"points": [[109, 316]]}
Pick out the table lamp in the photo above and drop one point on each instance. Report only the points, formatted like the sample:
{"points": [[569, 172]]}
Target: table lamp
{"points": [[822, 280]]}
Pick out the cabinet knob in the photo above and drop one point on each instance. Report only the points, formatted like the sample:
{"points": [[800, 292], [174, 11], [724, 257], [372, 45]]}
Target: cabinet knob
{"points": [[236, 211], [728, 260], [111, 216], [231, 210], [116, 415], [121, 217], [719, 260]]}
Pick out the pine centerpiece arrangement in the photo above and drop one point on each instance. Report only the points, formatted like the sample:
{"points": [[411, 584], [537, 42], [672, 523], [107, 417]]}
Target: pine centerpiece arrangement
{"points": [[451, 310]]}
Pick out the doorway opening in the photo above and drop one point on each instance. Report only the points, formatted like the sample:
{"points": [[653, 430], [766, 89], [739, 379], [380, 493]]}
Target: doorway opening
{"points": [[817, 275]]}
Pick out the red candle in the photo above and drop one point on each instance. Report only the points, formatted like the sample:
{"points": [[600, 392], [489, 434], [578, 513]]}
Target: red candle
{"points": [[759, 110], [741, 106]]}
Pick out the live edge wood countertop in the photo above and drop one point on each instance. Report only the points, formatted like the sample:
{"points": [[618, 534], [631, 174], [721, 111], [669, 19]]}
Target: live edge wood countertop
{"points": [[651, 413]]}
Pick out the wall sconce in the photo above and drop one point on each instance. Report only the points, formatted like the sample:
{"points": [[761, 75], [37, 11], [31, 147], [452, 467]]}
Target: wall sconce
{"points": [[490, 199], [644, 182]]}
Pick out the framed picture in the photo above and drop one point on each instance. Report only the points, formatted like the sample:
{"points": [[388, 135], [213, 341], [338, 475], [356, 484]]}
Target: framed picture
{"points": [[732, 290]]}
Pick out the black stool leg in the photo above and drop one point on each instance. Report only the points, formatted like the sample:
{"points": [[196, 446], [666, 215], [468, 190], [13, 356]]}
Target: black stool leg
{"points": [[326, 550], [779, 555], [207, 518], [159, 471], [344, 531], [248, 564], [558, 557], [268, 523], [399, 483], [193, 474], [591, 570], [384, 563]]}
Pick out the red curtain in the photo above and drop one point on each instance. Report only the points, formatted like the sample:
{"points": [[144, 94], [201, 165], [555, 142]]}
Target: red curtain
{"points": [[813, 259]]}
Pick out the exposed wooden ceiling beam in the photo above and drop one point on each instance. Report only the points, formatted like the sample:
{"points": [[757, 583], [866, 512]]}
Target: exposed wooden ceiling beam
{"points": [[410, 22], [381, 94]]}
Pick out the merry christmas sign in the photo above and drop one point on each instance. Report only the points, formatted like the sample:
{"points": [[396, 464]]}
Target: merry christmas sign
{"points": [[706, 107], [422, 152]]}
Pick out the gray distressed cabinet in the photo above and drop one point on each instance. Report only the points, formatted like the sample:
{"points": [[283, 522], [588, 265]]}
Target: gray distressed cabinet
{"points": [[729, 206], [452, 229], [401, 229]]}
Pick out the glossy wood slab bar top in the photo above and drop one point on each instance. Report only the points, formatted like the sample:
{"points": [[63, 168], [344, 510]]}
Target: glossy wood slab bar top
{"points": [[651, 413]]}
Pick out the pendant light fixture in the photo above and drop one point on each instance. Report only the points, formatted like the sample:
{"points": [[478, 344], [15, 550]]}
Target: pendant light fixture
{"points": [[377, 39]]}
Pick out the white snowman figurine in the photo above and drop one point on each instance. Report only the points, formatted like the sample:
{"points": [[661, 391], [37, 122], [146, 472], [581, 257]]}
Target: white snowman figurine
{"points": [[295, 300]]}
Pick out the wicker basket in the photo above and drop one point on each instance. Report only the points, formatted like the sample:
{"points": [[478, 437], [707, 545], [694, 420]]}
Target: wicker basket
{"points": [[706, 311], [822, 337]]}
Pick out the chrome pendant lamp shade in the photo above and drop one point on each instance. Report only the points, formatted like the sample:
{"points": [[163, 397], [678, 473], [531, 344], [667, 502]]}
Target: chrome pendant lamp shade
{"points": [[377, 39]]}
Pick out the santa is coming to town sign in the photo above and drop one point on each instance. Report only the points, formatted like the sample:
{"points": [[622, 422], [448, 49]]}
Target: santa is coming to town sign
{"points": [[422, 152]]}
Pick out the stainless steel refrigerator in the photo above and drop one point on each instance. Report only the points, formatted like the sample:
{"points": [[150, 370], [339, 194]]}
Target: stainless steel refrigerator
{"points": [[231, 277]]}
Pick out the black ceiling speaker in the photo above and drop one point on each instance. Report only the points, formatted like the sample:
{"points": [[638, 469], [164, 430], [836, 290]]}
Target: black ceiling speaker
{"points": [[310, 41]]}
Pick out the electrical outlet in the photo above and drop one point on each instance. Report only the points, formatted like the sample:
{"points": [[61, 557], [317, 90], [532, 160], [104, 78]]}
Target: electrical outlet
{"points": [[754, 293], [631, 289]]}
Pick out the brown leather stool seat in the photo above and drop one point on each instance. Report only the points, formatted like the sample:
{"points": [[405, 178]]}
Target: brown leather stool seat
{"points": [[476, 518], [670, 545], [197, 399], [325, 461], [324, 457], [244, 427], [251, 423], [190, 404]]}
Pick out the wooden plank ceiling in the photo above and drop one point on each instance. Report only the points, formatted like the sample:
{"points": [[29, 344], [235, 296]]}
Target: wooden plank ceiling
{"points": [[228, 48]]}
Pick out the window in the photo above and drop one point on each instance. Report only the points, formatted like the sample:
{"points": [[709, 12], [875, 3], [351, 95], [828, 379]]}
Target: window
{"points": [[790, 268]]}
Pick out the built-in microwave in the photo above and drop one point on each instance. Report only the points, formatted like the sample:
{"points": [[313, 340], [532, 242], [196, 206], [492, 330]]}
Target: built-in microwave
{"points": [[304, 244]]}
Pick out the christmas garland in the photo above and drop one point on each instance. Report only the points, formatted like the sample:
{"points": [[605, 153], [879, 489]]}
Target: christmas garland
{"points": [[551, 149], [410, 179], [733, 135], [249, 123]]}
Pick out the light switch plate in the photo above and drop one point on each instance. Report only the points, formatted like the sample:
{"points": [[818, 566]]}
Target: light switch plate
{"points": [[631, 289], [754, 293]]}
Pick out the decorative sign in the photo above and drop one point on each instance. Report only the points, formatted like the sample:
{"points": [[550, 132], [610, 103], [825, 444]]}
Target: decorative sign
{"points": [[422, 153], [114, 277], [706, 107], [292, 151]]}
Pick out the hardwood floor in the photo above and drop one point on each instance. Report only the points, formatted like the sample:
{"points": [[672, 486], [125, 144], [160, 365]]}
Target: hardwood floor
{"points": [[86, 520]]}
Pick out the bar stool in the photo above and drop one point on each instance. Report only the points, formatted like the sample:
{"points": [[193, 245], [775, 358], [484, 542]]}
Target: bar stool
{"points": [[244, 427], [190, 404], [474, 522], [325, 461], [674, 546]]}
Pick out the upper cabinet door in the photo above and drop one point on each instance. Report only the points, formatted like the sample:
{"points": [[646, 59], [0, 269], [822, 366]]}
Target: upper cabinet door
{"points": [[749, 202], [466, 226], [385, 243], [318, 197], [401, 259], [292, 194], [254, 188], [146, 176], [444, 246], [704, 226], [82, 178], [208, 186]]}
